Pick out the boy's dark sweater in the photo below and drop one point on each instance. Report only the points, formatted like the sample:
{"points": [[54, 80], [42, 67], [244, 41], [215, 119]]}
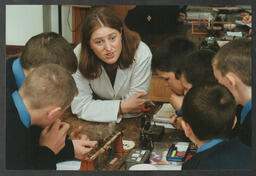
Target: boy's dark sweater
{"points": [[67, 153], [21, 152], [231, 154]]}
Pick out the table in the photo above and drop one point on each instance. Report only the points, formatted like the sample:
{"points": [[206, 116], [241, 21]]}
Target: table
{"points": [[130, 127]]}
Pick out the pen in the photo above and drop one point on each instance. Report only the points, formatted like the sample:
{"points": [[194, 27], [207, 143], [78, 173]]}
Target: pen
{"points": [[174, 152], [172, 147]]}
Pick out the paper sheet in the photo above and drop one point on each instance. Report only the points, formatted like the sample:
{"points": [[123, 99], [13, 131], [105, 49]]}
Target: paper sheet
{"points": [[235, 34], [68, 165], [242, 23], [165, 125], [165, 110], [222, 43]]}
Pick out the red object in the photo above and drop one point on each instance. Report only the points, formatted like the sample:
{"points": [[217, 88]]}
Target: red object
{"points": [[88, 164], [188, 157], [146, 108]]}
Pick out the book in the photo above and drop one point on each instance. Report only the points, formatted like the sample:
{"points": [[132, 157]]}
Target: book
{"points": [[165, 125], [165, 110], [162, 117]]}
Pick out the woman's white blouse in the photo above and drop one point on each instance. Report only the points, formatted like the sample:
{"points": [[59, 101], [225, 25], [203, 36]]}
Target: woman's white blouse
{"points": [[128, 81]]}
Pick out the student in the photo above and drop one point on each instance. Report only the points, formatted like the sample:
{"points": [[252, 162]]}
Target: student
{"points": [[42, 98], [167, 61], [195, 71], [208, 119], [42, 49], [198, 70], [114, 69], [232, 67]]}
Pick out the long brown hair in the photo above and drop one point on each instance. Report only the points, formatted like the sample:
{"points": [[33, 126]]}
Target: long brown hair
{"points": [[89, 63]]}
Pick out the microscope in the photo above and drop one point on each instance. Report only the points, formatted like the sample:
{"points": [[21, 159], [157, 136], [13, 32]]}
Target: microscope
{"points": [[149, 132]]}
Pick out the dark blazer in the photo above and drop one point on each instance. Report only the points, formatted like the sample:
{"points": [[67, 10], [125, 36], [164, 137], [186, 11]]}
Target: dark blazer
{"points": [[67, 153], [245, 130], [231, 154], [21, 153], [11, 85], [235, 131]]}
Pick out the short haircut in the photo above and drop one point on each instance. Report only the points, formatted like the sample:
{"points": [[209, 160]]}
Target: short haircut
{"points": [[198, 68], [48, 47], [89, 63], [170, 55], [49, 84], [210, 111], [235, 57]]}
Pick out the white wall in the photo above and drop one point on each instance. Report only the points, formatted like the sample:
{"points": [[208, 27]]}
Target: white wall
{"points": [[67, 18], [54, 18], [66, 21], [25, 21]]}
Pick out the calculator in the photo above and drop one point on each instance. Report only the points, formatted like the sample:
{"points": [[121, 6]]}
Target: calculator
{"points": [[137, 156]]}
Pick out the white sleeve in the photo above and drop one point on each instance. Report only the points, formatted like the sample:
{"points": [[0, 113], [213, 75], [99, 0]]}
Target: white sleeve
{"points": [[77, 51], [85, 107], [141, 76], [107, 110]]}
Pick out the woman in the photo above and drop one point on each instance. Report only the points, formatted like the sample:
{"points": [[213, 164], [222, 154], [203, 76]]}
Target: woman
{"points": [[114, 69]]}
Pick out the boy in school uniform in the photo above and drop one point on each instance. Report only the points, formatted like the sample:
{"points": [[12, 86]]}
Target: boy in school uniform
{"points": [[232, 67], [167, 61], [195, 71], [48, 47], [41, 100], [42, 49], [208, 118]]}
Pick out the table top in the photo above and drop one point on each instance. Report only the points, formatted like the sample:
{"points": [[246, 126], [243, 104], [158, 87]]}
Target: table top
{"points": [[130, 127]]}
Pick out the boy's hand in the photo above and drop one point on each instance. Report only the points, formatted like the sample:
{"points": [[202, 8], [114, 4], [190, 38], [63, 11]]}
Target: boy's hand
{"points": [[76, 135], [176, 101], [82, 148], [176, 121], [82, 144], [53, 136]]}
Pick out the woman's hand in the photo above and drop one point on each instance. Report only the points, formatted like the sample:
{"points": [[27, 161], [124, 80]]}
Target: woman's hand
{"points": [[134, 104]]}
